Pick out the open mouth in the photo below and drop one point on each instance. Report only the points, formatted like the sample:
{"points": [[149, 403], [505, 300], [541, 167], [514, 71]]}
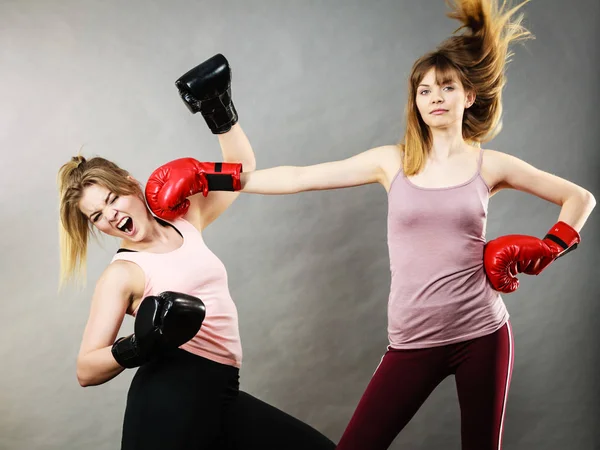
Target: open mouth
{"points": [[125, 225]]}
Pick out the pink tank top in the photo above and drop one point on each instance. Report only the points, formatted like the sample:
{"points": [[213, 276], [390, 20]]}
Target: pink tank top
{"points": [[439, 291], [194, 270]]}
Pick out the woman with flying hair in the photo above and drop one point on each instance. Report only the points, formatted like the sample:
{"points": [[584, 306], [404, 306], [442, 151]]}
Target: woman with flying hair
{"points": [[445, 316]]}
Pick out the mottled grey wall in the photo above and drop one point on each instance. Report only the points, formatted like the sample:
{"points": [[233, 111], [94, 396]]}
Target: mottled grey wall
{"points": [[313, 81]]}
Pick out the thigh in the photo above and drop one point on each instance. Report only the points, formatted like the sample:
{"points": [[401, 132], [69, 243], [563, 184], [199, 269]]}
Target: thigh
{"points": [[482, 381], [256, 424], [173, 403], [398, 388]]}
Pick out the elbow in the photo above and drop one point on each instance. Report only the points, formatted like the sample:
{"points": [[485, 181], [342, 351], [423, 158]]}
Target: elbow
{"points": [[589, 200], [583, 198], [84, 377], [592, 201]]}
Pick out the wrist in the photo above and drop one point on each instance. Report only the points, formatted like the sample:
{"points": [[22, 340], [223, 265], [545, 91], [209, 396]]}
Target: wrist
{"points": [[221, 176], [562, 237], [127, 352]]}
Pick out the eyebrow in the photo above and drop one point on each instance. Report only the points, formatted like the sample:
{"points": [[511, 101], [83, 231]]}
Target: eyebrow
{"points": [[105, 202], [447, 81]]}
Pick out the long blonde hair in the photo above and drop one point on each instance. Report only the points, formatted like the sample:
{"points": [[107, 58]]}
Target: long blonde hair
{"points": [[478, 58], [74, 227]]}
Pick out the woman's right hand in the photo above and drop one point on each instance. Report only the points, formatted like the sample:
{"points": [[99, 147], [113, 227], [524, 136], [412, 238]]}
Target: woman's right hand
{"points": [[164, 321]]}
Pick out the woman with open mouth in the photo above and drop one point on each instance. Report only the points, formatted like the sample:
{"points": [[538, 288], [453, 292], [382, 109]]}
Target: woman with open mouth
{"points": [[186, 346]]}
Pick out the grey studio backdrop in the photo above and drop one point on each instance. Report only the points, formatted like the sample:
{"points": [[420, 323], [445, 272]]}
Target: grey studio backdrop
{"points": [[313, 82]]}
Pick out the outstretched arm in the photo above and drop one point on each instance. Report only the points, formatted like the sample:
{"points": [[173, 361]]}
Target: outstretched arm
{"points": [[364, 168]]}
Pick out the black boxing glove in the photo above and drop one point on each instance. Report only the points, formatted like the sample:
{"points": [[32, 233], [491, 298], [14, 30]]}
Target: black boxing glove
{"points": [[162, 322], [207, 89]]}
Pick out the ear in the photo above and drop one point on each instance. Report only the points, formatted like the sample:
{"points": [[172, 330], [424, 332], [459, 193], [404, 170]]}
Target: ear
{"points": [[469, 99]]}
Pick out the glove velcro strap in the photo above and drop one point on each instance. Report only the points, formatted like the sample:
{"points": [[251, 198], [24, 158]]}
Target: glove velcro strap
{"points": [[226, 177], [565, 236], [219, 113], [126, 352]]}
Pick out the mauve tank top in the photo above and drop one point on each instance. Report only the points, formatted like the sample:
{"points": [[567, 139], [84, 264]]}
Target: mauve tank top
{"points": [[439, 291]]}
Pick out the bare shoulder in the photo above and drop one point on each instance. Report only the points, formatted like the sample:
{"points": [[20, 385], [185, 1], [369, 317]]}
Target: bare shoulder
{"points": [[496, 156], [493, 166], [112, 299], [383, 154], [121, 278], [392, 152], [390, 161]]}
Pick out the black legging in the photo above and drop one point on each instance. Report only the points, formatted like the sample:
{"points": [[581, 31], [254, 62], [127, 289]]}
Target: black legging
{"points": [[183, 401]]}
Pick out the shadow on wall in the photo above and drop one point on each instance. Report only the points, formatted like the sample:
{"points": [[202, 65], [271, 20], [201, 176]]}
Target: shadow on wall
{"points": [[321, 338]]}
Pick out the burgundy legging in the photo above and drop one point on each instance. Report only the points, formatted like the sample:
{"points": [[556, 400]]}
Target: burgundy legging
{"points": [[405, 378]]}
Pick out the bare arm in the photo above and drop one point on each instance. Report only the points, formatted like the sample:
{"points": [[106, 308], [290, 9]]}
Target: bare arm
{"points": [[95, 363], [364, 168], [235, 147], [510, 172]]}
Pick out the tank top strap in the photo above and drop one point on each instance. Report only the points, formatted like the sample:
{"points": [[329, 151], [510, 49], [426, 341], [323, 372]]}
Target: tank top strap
{"points": [[479, 161]]}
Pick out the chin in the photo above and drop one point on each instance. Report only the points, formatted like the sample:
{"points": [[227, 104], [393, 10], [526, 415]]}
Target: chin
{"points": [[442, 124], [438, 126]]}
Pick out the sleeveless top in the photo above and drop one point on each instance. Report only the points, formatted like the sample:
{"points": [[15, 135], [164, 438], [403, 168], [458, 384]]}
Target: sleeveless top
{"points": [[439, 291], [195, 270]]}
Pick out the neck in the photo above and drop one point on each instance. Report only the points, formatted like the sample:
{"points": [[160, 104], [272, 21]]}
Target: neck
{"points": [[446, 142], [155, 233]]}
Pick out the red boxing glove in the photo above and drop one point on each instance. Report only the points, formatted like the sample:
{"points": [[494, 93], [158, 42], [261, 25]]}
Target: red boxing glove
{"points": [[506, 256], [170, 185]]}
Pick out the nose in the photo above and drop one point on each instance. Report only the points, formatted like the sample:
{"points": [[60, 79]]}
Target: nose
{"points": [[435, 94], [437, 98], [112, 215]]}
